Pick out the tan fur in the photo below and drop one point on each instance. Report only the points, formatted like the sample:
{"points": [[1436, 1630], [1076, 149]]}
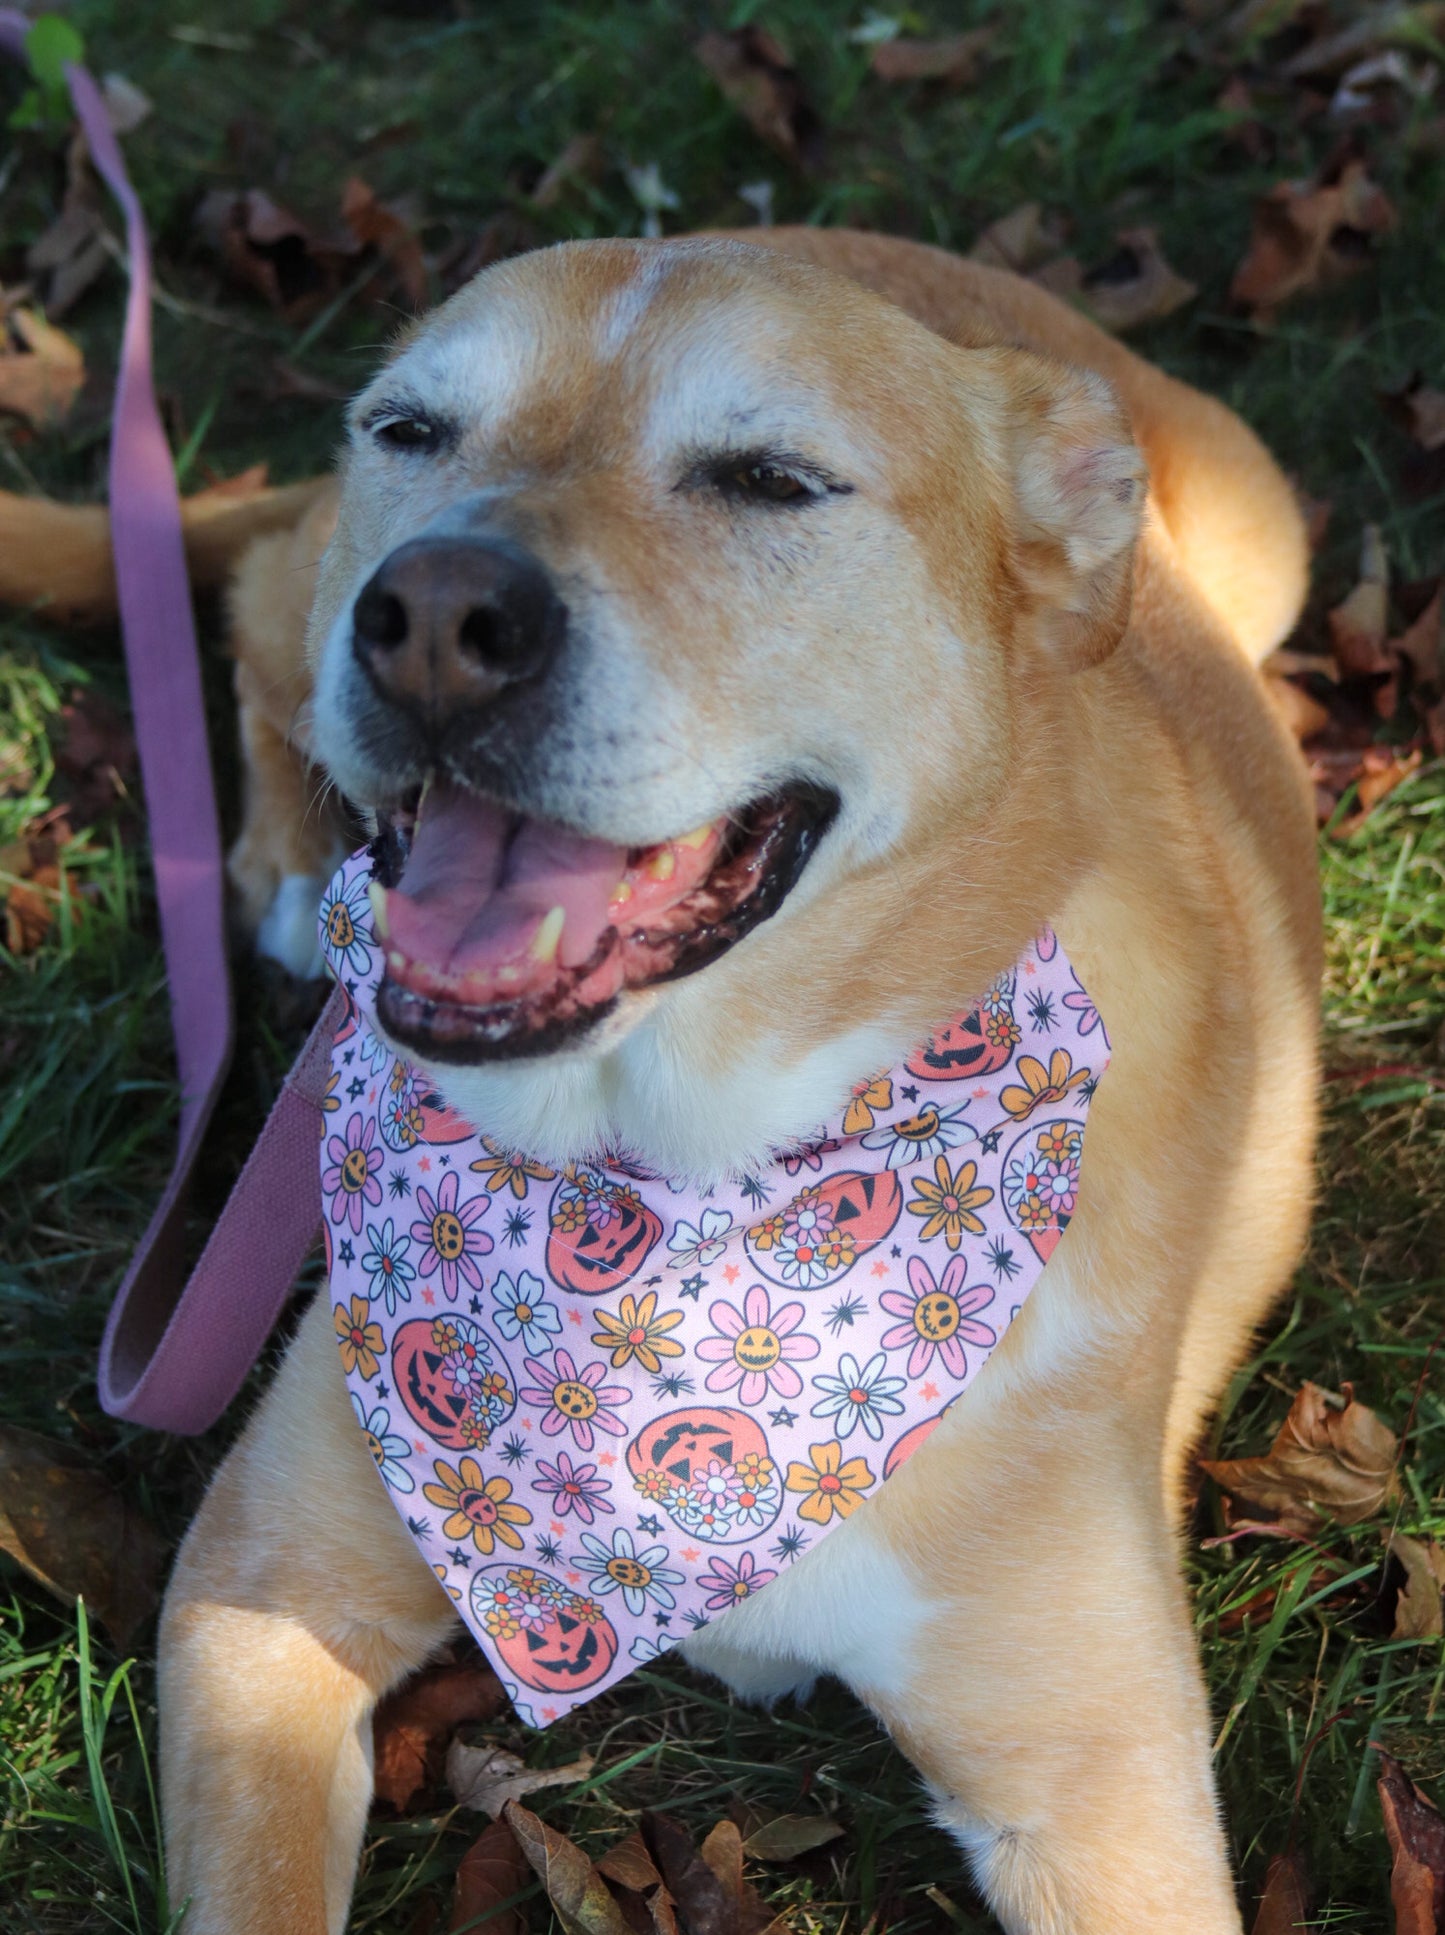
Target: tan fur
{"points": [[1136, 791]]}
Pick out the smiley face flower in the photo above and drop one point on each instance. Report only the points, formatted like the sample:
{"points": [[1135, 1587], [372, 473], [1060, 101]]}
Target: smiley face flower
{"points": [[756, 1348], [478, 1508]]}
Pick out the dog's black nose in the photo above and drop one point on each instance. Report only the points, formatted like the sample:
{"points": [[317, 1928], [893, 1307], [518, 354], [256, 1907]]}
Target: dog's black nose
{"points": [[447, 623]]}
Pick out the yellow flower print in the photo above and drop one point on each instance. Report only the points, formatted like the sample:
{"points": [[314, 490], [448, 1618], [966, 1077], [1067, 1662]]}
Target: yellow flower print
{"points": [[478, 1507], [637, 1331], [1049, 1085], [1059, 1142], [949, 1201], [504, 1169], [766, 1234], [833, 1486], [360, 1341], [867, 1096]]}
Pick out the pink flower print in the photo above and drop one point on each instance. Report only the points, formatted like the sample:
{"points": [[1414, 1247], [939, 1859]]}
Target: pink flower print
{"points": [[351, 1181], [576, 1398], [808, 1216], [720, 1486], [756, 1348], [572, 1488], [939, 1317], [1082, 1005], [728, 1584], [809, 1155], [449, 1241]]}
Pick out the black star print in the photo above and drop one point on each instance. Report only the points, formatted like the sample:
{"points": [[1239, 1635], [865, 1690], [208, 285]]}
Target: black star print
{"points": [[651, 1525], [351, 987], [476, 1306], [692, 1285], [909, 1094], [783, 1417], [458, 1557], [349, 1056], [346, 1253], [354, 1088], [895, 1251], [988, 1143], [383, 1392], [662, 1619], [443, 1160]]}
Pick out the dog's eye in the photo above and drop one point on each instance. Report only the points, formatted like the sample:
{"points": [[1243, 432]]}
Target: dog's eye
{"points": [[407, 433], [769, 482]]}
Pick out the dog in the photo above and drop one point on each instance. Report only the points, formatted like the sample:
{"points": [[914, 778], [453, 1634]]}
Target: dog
{"points": [[813, 515]]}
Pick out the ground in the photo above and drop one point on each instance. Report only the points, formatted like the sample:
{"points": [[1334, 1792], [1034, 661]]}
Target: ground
{"points": [[1106, 113]]}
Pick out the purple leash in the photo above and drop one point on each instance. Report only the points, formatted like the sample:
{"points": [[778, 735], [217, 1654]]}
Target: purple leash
{"points": [[172, 1357]]}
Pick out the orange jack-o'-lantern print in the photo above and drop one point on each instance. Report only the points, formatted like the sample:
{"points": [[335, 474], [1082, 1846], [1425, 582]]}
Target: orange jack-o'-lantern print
{"points": [[601, 1233], [978, 1043], [549, 1637], [826, 1228], [452, 1380], [709, 1468]]}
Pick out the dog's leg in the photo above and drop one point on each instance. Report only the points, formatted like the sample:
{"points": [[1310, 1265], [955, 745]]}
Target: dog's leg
{"points": [[297, 1600]]}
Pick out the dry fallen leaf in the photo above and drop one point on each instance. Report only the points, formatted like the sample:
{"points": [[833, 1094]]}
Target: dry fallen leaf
{"points": [[486, 1778], [1418, 1606], [584, 160], [1022, 240], [1418, 646], [1419, 410], [1381, 771], [1330, 1460], [270, 251], [1134, 285], [790, 1835], [1359, 624], [1310, 233], [579, 1896], [75, 1532], [644, 1899], [412, 1726], [758, 79], [1416, 1833], [954, 61], [492, 1870], [1284, 1903], [382, 226], [1302, 715], [72, 252], [707, 1884], [41, 369]]}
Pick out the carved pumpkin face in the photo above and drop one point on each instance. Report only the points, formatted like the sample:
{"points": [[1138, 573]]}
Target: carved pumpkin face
{"points": [[757, 1348], [449, 1376], [411, 1112], [978, 1044], [545, 1635], [1041, 1181], [601, 1234], [709, 1469], [825, 1229]]}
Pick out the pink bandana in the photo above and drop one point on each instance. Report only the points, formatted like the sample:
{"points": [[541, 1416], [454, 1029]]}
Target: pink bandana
{"points": [[609, 1408]]}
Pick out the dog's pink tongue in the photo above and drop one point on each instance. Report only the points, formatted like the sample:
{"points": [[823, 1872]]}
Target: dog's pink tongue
{"points": [[483, 890]]}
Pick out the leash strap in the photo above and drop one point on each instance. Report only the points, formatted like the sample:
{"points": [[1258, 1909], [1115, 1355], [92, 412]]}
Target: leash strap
{"points": [[174, 1358]]}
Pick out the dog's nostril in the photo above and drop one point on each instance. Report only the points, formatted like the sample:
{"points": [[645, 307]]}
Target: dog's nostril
{"points": [[380, 618], [481, 633]]}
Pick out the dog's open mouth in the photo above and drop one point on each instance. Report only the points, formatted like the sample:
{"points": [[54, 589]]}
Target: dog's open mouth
{"points": [[507, 936]]}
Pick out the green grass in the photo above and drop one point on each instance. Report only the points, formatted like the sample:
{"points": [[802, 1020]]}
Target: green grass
{"points": [[1106, 112]]}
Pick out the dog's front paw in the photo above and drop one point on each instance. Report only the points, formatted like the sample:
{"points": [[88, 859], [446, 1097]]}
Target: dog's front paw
{"points": [[287, 932]]}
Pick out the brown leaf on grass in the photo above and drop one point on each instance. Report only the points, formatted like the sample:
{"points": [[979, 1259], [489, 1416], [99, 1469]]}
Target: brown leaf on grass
{"points": [[1418, 1604], [1302, 715], [579, 1896], [954, 61], [1359, 624], [1310, 233], [1419, 410], [708, 1886], [76, 1533], [789, 1835], [1416, 1834], [641, 1892], [381, 226], [487, 1777], [583, 160], [1249, 132], [1381, 771], [1136, 284], [1331, 1459], [267, 249], [41, 369], [761, 83], [94, 756], [1022, 240], [1418, 646], [71, 254], [411, 1727], [1284, 1903], [492, 1870]]}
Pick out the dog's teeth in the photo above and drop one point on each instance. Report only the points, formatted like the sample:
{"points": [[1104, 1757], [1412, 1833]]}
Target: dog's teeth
{"points": [[623, 894], [663, 864], [699, 837], [376, 894], [396, 959], [548, 936], [508, 975]]}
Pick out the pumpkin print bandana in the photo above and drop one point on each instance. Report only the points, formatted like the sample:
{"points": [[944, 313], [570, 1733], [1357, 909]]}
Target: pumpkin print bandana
{"points": [[610, 1408]]}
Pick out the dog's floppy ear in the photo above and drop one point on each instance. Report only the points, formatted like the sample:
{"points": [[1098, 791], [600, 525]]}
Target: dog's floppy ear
{"points": [[1079, 491]]}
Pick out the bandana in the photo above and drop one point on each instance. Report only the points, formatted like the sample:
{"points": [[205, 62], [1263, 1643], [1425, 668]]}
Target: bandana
{"points": [[609, 1407]]}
